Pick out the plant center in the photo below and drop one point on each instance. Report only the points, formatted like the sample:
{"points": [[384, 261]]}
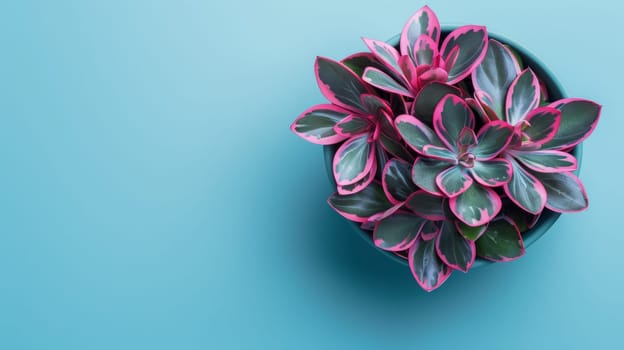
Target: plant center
{"points": [[467, 160]]}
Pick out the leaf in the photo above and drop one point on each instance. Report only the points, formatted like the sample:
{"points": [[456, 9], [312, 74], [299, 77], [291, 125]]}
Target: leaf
{"points": [[360, 184], [476, 206], [353, 160], [525, 190], [428, 98], [352, 125], [542, 125], [469, 232], [451, 115], [425, 50], [523, 220], [579, 118], [453, 181], [316, 124], [424, 21], [566, 193], [395, 148], [383, 81], [385, 53], [472, 42], [501, 241], [397, 232], [362, 205], [416, 134], [523, 96], [426, 205], [425, 171], [397, 180], [548, 161], [480, 111], [492, 173], [492, 138], [427, 268], [375, 105], [359, 61], [495, 74], [453, 249], [466, 140], [441, 153], [339, 84]]}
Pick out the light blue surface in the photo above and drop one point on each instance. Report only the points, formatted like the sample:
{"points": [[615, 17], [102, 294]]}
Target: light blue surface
{"points": [[152, 196]]}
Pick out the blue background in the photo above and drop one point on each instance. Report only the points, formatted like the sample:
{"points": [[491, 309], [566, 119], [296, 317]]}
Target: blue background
{"points": [[152, 196]]}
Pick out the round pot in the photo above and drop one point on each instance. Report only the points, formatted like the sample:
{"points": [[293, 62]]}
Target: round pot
{"points": [[555, 92]]}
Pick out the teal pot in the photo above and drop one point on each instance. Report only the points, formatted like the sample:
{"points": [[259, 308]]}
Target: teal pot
{"points": [[555, 92]]}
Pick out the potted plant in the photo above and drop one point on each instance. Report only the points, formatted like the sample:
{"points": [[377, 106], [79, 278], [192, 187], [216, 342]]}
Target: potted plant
{"points": [[449, 147]]}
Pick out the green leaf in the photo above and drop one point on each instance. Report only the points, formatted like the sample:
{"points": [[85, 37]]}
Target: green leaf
{"points": [[501, 241], [316, 124], [397, 180], [492, 139], [453, 181], [426, 205], [525, 190], [476, 206], [427, 99], [416, 134], [453, 249], [425, 171], [472, 43], [565, 191], [353, 125], [383, 81], [469, 232], [427, 268], [397, 232], [548, 161], [353, 160], [339, 84], [578, 120], [523, 96], [450, 117], [360, 206], [495, 74], [492, 173]]}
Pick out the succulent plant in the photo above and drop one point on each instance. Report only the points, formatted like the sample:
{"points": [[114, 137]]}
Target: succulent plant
{"points": [[446, 153]]}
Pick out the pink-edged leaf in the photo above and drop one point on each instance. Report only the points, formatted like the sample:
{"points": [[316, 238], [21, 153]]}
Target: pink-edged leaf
{"points": [[340, 85], [429, 231], [357, 62], [501, 241], [386, 54], [395, 148], [470, 232], [316, 124], [360, 206], [427, 99], [426, 205], [478, 110], [416, 134], [360, 184], [430, 75], [476, 206], [396, 180], [579, 118], [466, 140], [540, 126], [440, 153], [453, 181], [485, 101], [492, 173], [453, 249], [425, 172], [494, 75], [425, 50], [523, 220], [383, 81], [424, 21], [353, 160], [387, 213], [352, 125], [547, 161], [525, 190], [523, 96], [375, 105], [492, 138], [566, 193], [472, 42], [427, 268], [409, 70], [397, 232], [450, 117]]}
